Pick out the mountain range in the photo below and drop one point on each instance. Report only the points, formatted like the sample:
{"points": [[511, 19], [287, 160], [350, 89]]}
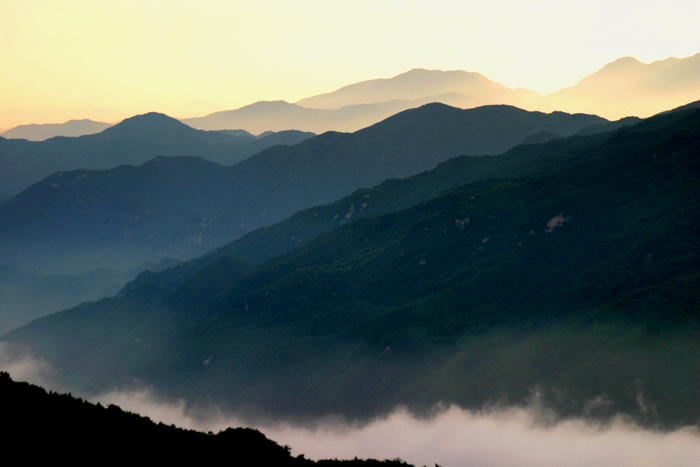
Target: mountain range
{"points": [[628, 87], [363, 104], [40, 132], [625, 87], [133, 141], [622, 88], [184, 206], [566, 267]]}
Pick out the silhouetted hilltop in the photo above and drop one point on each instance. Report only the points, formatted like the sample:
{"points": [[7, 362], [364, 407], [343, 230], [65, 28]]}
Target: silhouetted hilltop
{"points": [[147, 125], [60, 422]]}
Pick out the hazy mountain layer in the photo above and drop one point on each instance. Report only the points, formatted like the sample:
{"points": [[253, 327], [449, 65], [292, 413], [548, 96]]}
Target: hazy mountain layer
{"points": [[180, 207], [25, 296], [625, 87], [51, 130], [281, 115], [418, 84], [360, 105], [628, 87], [133, 141], [578, 279]]}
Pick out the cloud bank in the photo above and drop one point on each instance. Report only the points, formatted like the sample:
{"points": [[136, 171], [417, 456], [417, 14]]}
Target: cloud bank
{"points": [[497, 437]]}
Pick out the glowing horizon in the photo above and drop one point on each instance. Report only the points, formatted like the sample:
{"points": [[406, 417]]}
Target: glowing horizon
{"points": [[108, 60]]}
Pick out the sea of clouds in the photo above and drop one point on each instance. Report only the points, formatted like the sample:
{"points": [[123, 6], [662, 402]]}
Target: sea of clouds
{"points": [[493, 437]]}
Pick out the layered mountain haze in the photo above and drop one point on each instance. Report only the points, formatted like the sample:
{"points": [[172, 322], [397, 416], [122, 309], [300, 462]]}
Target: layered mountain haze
{"points": [[182, 207], [51, 130], [628, 87], [568, 266], [625, 87], [450, 234], [133, 141], [359, 105], [281, 115], [25, 295], [421, 84]]}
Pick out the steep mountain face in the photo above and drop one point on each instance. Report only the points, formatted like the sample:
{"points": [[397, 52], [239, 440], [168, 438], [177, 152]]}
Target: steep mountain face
{"points": [[180, 207], [133, 141], [578, 278], [628, 87], [51, 130]]}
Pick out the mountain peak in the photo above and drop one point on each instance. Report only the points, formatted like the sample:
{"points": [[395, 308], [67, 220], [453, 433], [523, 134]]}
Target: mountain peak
{"points": [[146, 123], [622, 64], [150, 117]]}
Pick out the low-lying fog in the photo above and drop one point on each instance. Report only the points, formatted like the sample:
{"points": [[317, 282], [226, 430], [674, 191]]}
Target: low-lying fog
{"points": [[453, 437]]}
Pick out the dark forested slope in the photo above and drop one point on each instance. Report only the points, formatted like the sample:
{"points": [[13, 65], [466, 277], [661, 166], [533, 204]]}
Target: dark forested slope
{"points": [[61, 423]]}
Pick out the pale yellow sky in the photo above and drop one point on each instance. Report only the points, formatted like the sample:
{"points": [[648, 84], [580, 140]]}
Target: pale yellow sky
{"points": [[107, 60]]}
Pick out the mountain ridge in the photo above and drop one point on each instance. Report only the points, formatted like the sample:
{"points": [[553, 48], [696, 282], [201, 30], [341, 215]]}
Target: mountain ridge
{"points": [[132, 141], [634, 91], [43, 131]]}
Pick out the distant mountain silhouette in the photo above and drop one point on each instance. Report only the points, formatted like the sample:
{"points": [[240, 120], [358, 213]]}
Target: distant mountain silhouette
{"points": [[41, 132], [147, 125], [622, 88], [360, 105], [627, 87], [133, 141], [281, 115], [418, 84]]}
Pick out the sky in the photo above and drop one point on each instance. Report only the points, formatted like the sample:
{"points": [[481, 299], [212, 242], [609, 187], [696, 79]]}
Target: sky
{"points": [[107, 60]]}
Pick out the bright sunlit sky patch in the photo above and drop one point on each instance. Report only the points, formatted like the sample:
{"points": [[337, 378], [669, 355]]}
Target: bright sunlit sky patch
{"points": [[107, 60]]}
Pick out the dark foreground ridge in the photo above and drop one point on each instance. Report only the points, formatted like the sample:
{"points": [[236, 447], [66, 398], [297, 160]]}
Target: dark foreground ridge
{"points": [[60, 424]]}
